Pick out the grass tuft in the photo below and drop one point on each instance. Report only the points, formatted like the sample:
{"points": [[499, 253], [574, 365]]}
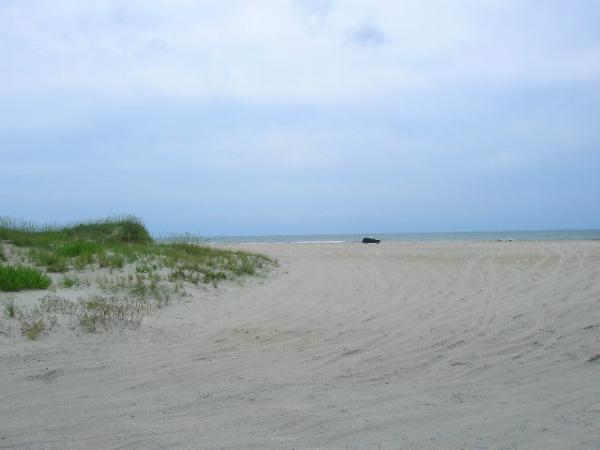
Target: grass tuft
{"points": [[17, 278], [69, 282], [11, 310], [98, 310], [33, 328], [89, 322]]}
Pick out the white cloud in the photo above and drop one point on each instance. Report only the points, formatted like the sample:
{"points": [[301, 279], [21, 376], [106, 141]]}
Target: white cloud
{"points": [[264, 50]]}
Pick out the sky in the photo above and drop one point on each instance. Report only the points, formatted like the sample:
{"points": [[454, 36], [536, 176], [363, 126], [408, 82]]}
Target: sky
{"points": [[251, 117]]}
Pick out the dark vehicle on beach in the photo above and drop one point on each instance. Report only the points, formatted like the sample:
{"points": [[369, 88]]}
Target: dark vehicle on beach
{"points": [[370, 240]]}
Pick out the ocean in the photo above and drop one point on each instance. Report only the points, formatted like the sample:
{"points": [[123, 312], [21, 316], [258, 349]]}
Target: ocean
{"points": [[472, 236]]}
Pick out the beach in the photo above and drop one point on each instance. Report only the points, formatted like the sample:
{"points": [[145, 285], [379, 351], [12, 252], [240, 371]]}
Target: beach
{"points": [[444, 345]]}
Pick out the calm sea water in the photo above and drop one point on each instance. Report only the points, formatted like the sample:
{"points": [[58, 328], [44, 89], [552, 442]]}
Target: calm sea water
{"points": [[548, 235]]}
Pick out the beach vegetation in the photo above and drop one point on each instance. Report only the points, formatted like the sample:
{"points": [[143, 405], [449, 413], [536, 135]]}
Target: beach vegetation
{"points": [[18, 278], [99, 310], [135, 274], [96, 312], [70, 281], [11, 310], [32, 329], [34, 321], [115, 242]]}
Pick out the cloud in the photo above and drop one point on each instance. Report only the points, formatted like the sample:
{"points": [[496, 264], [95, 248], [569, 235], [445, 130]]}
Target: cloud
{"points": [[314, 10], [261, 51], [367, 34], [271, 107]]}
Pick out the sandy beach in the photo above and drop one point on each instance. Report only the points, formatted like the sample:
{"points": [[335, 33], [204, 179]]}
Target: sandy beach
{"points": [[347, 346]]}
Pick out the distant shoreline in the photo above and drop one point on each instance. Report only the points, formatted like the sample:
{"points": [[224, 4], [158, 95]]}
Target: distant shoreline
{"points": [[480, 236]]}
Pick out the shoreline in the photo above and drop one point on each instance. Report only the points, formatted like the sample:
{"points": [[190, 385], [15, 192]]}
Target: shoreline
{"points": [[442, 242], [484, 236]]}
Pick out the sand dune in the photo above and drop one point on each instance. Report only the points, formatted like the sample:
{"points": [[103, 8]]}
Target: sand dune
{"points": [[416, 346]]}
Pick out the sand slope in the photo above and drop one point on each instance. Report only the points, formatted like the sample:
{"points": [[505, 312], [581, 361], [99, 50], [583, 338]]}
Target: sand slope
{"points": [[416, 346]]}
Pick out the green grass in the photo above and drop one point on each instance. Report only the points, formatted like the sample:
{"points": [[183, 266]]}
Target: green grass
{"points": [[115, 242], [69, 282], [78, 248], [124, 229], [113, 261], [156, 272], [51, 261], [18, 278], [59, 249]]}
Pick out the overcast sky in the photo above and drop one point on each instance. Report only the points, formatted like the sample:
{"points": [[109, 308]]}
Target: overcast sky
{"points": [[302, 116]]}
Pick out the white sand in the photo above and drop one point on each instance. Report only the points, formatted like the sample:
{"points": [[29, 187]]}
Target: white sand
{"points": [[436, 346]]}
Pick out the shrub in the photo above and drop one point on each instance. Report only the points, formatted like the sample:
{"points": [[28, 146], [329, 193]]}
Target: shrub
{"points": [[17, 278]]}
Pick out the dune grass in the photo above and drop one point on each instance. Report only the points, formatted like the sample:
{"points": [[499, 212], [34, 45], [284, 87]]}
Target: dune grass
{"points": [[10, 309], [59, 249], [69, 282], [113, 229], [115, 242], [32, 329], [18, 278], [135, 274]]}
